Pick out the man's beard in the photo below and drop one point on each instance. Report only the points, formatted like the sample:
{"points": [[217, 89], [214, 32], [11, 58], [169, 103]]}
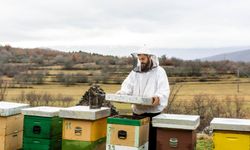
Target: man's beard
{"points": [[145, 67]]}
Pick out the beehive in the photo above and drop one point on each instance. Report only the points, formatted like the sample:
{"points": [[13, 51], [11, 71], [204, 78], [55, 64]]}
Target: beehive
{"points": [[176, 132], [129, 132], [11, 125], [231, 134], [42, 128], [84, 128]]}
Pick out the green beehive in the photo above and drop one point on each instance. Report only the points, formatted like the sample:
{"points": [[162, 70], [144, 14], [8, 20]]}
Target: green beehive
{"points": [[42, 127], [41, 144], [81, 145]]}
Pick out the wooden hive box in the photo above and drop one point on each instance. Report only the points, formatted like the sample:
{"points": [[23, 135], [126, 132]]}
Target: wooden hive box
{"points": [[42, 122], [12, 141], [127, 132], [11, 125], [81, 123], [42, 128], [176, 132], [231, 134], [84, 130], [128, 99], [42, 144]]}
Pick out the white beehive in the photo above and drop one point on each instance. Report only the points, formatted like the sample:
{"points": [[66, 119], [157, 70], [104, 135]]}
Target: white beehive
{"points": [[10, 108], [230, 124], [42, 111], [84, 112], [173, 121]]}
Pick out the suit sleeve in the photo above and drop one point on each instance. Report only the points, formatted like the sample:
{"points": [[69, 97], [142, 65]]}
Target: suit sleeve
{"points": [[127, 85], [163, 89]]}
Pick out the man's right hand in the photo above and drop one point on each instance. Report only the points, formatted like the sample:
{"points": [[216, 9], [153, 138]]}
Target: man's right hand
{"points": [[156, 101]]}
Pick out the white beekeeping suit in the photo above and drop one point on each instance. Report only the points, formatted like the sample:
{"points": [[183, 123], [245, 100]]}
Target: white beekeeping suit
{"points": [[147, 84]]}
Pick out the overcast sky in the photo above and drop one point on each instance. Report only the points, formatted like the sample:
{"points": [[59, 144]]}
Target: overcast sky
{"points": [[184, 28]]}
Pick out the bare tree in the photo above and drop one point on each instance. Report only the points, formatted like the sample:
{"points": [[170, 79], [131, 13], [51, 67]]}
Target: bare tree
{"points": [[3, 89], [209, 107], [172, 97]]}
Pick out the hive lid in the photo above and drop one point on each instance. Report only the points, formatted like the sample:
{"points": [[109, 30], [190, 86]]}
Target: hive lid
{"points": [[174, 121], [10, 108], [230, 124], [42, 111], [128, 120], [84, 112], [128, 99]]}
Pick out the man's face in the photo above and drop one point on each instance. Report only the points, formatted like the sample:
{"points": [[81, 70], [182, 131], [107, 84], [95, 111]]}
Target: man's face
{"points": [[144, 59]]}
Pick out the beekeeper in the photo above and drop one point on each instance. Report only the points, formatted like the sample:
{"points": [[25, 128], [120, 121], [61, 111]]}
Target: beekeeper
{"points": [[147, 79]]}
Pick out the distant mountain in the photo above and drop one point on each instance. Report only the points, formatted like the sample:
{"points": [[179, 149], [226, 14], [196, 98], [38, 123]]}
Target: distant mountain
{"points": [[243, 55]]}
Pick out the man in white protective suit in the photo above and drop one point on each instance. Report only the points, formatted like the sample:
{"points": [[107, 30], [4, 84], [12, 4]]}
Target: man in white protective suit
{"points": [[147, 79]]}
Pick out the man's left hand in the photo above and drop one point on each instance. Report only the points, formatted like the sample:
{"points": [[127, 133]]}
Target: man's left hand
{"points": [[156, 101]]}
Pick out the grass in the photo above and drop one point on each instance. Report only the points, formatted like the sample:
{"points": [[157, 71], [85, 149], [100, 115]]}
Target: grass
{"points": [[204, 144], [218, 89]]}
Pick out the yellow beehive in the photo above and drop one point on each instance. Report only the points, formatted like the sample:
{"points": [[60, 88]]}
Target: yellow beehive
{"points": [[228, 140], [231, 134], [84, 130]]}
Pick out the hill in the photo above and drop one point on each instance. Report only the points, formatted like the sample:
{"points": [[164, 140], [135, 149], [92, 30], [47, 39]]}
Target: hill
{"points": [[238, 56]]}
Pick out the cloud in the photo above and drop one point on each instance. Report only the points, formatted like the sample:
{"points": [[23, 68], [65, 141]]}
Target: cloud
{"points": [[125, 23]]}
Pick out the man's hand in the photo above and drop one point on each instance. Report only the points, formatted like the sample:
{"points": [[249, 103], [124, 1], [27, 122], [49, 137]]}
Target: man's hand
{"points": [[156, 101]]}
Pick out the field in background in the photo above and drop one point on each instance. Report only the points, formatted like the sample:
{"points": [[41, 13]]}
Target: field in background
{"points": [[187, 91], [219, 86]]}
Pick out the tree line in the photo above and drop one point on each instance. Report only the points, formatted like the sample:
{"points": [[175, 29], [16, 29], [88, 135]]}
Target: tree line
{"points": [[16, 61]]}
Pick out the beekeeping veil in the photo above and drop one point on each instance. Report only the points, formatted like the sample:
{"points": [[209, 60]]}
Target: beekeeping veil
{"points": [[142, 68]]}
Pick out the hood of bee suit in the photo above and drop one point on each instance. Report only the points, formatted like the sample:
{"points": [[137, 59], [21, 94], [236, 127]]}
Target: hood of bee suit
{"points": [[137, 66]]}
